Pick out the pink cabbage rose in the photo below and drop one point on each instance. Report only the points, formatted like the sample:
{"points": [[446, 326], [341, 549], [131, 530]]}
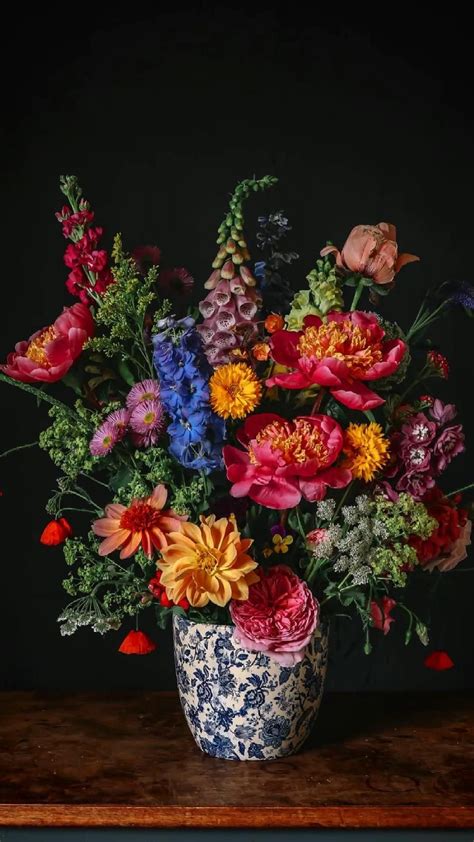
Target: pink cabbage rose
{"points": [[339, 353], [49, 354], [284, 461], [372, 251], [278, 618]]}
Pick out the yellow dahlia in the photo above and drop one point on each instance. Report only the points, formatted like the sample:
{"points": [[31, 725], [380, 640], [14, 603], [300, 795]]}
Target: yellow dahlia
{"points": [[235, 390], [207, 563], [366, 450]]}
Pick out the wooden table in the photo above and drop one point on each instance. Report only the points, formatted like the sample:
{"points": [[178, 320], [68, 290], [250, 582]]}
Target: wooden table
{"points": [[128, 760]]}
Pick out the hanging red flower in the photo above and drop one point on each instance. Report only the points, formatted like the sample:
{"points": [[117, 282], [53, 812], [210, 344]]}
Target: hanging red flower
{"points": [[137, 643], [56, 532], [439, 661]]}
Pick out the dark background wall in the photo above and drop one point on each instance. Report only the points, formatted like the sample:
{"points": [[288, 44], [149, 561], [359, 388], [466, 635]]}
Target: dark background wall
{"points": [[159, 115]]}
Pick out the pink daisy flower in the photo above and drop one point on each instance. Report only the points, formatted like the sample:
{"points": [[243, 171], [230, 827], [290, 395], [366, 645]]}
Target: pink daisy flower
{"points": [[146, 390], [145, 439], [147, 415], [119, 420], [103, 440]]}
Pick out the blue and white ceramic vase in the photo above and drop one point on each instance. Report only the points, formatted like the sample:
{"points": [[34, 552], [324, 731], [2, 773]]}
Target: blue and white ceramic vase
{"points": [[241, 705]]}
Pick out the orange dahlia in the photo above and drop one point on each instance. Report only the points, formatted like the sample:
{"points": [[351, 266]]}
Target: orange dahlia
{"points": [[144, 522], [207, 563]]}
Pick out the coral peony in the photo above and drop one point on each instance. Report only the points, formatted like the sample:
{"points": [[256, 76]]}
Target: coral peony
{"points": [[380, 612], [339, 353], [207, 563], [49, 354], [144, 522], [286, 460], [56, 532], [372, 251], [278, 618]]}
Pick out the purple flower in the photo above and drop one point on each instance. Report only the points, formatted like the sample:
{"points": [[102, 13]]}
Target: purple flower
{"points": [[103, 440], [415, 483], [441, 412], [419, 430], [119, 420], [449, 444], [147, 416], [146, 390]]}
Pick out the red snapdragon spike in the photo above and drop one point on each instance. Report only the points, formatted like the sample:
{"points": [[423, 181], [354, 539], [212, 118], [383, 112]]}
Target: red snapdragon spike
{"points": [[137, 643], [184, 604], [165, 601], [56, 532], [439, 661]]}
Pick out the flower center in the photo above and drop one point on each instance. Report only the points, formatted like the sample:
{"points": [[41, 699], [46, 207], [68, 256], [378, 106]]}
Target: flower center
{"points": [[149, 417], [296, 441], [341, 341], [417, 455], [139, 517], [206, 559], [35, 350], [420, 432]]}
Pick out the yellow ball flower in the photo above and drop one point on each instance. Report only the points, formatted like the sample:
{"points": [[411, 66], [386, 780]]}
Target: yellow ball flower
{"points": [[207, 563], [366, 450], [235, 390]]}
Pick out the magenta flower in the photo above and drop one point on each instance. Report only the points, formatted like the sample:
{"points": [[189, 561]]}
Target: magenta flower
{"points": [[340, 353], [119, 421], [278, 618], [145, 439], [145, 390], [449, 444], [147, 416], [103, 440], [284, 461]]}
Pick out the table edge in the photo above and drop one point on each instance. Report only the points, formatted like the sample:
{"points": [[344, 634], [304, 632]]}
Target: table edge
{"points": [[112, 815]]}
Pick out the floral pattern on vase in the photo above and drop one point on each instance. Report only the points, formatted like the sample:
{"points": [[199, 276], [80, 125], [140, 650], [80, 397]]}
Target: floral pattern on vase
{"points": [[243, 705]]}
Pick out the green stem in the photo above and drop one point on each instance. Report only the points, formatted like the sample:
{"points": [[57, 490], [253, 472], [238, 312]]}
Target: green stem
{"points": [[74, 509], [357, 295], [20, 447], [424, 321], [343, 500], [370, 415], [459, 490], [39, 394]]}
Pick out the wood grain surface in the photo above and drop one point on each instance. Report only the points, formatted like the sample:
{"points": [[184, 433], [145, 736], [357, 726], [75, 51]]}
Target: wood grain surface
{"points": [[128, 760]]}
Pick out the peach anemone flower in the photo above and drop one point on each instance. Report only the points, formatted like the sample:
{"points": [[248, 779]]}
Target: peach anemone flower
{"points": [[144, 522], [371, 250], [207, 563]]}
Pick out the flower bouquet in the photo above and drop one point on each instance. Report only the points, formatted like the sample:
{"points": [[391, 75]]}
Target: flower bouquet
{"points": [[247, 468]]}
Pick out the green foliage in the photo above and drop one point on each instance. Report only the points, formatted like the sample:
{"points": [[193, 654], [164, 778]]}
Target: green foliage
{"points": [[67, 439], [233, 223], [324, 294], [120, 314]]}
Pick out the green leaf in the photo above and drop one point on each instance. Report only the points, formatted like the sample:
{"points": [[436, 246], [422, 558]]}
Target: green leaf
{"points": [[121, 478], [125, 373]]}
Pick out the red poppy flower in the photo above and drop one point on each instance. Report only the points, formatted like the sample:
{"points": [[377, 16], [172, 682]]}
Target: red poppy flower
{"points": [[56, 532], [439, 661], [49, 354], [380, 612], [339, 353], [137, 643]]}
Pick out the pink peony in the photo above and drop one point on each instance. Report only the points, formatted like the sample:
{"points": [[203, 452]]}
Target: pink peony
{"points": [[279, 616], [285, 460], [339, 353], [49, 354], [372, 251]]}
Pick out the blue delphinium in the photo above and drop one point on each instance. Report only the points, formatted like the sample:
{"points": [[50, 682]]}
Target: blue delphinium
{"points": [[196, 433]]}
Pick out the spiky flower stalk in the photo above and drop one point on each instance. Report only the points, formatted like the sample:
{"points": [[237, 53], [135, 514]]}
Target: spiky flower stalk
{"points": [[230, 308]]}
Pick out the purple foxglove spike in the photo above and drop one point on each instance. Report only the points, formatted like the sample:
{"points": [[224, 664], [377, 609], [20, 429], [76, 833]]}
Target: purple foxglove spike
{"points": [[207, 308], [225, 320], [247, 276], [237, 287]]}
